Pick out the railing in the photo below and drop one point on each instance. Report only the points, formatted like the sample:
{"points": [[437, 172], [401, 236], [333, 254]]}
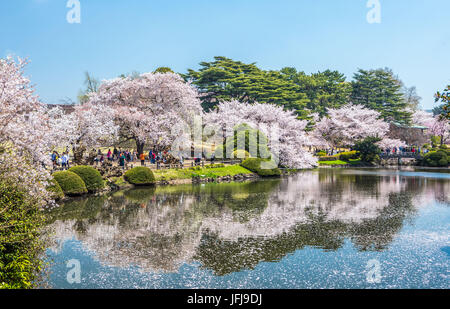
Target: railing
{"points": [[412, 155]]}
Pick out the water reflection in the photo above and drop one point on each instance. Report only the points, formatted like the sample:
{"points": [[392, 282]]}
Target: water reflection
{"points": [[231, 227]]}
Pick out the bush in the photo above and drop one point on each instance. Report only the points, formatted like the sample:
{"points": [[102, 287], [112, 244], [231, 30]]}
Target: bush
{"points": [[240, 154], [347, 156], [254, 165], [253, 142], [436, 159], [368, 149], [55, 190], [326, 158], [91, 177], [20, 242], [140, 176], [70, 183], [321, 154]]}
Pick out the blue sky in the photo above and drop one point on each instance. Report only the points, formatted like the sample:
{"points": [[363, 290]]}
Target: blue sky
{"points": [[118, 36]]}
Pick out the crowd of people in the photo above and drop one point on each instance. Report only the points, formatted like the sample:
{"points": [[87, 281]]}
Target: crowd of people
{"points": [[122, 157], [403, 150], [62, 160]]}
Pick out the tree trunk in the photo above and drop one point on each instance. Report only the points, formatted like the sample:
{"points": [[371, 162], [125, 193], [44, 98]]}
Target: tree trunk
{"points": [[140, 147], [78, 154]]}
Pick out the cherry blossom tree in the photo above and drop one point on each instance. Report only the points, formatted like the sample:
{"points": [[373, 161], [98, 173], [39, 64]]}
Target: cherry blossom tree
{"points": [[286, 134], [350, 123], [86, 127], [148, 106], [437, 125], [23, 131]]}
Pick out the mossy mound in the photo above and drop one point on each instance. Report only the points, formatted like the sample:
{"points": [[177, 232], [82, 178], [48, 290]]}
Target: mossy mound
{"points": [[55, 190], [436, 159], [91, 177], [70, 183], [262, 167], [140, 176]]}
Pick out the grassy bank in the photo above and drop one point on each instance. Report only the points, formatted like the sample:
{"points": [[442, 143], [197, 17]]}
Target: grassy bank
{"points": [[202, 172], [340, 162]]}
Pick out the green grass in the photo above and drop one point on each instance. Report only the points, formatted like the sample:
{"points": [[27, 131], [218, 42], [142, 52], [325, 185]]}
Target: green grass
{"points": [[172, 174], [337, 162]]}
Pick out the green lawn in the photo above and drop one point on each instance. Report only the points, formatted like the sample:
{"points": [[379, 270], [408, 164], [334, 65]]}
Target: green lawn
{"points": [[339, 162], [172, 174]]}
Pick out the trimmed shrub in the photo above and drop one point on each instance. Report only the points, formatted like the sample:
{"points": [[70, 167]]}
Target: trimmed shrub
{"points": [[255, 165], [436, 159], [346, 156], [240, 154], [321, 154], [70, 183], [326, 158], [91, 177], [140, 176], [55, 190]]}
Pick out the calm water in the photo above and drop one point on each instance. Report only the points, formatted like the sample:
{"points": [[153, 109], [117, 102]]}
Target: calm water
{"points": [[316, 229]]}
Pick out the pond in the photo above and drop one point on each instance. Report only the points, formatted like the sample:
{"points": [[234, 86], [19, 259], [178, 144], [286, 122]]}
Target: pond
{"points": [[325, 228]]}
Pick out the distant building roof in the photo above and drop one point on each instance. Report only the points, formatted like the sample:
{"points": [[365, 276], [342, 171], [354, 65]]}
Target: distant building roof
{"points": [[414, 126], [67, 108]]}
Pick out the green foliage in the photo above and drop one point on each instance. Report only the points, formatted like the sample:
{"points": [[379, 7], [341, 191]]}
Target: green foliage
{"points": [[347, 156], [20, 245], [226, 79], [436, 159], [219, 165], [245, 141], [334, 162], [71, 183], [91, 177], [55, 189], [262, 167], [435, 141], [444, 97], [240, 154], [163, 70], [328, 89], [380, 90], [321, 154], [140, 176], [368, 149]]}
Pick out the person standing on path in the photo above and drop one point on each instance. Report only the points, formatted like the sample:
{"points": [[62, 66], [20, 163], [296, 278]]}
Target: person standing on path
{"points": [[122, 160], [142, 158]]}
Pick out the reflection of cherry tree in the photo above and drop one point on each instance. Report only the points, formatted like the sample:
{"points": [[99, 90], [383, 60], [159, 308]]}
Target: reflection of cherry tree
{"points": [[159, 231]]}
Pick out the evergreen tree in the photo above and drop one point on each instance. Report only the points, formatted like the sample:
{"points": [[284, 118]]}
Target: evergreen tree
{"points": [[225, 79], [380, 90]]}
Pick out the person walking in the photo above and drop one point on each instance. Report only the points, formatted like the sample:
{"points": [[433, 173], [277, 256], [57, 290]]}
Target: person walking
{"points": [[122, 160], [64, 161], [142, 158]]}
